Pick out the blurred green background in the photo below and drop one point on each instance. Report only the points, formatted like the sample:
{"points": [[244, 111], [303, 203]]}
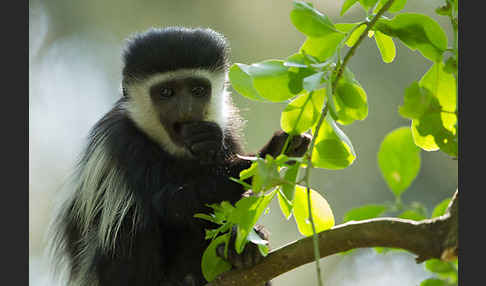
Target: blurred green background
{"points": [[74, 77]]}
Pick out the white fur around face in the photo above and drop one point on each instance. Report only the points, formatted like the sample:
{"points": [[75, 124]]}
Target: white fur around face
{"points": [[143, 113]]}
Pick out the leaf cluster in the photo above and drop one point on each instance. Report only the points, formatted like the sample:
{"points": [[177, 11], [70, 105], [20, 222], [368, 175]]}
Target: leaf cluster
{"points": [[322, 95]]}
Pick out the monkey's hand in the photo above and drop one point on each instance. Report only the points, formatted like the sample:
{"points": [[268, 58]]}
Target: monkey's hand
{"points": [[251, 254], [203, 139], [296, 148]]}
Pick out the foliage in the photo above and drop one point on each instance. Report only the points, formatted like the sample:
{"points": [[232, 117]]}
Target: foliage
{"points": [[323, 94]]}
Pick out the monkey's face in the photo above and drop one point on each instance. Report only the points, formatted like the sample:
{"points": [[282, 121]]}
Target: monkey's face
{"points": [[180, 101], [183, 111]]}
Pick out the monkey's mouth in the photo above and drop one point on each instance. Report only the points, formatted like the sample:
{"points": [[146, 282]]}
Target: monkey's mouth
{"points": [[176, 133], [203, 139]]}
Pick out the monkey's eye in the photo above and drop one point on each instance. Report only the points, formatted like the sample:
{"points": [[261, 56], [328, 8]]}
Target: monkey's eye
{"points": [[199, 91], [166, 92]]}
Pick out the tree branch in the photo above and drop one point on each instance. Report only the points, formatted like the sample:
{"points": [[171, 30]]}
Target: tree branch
{"points": [[430, 238]]}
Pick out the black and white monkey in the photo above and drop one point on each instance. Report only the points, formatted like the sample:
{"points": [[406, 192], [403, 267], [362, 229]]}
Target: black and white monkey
{"points": [[163, 152]]}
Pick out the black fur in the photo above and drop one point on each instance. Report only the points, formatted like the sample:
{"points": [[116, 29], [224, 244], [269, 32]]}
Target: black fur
{"points": [[168, 241], [158, 241], [177, 47]]}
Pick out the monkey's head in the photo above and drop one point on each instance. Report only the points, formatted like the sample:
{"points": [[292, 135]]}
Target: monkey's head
{"points": [[175, 83]]}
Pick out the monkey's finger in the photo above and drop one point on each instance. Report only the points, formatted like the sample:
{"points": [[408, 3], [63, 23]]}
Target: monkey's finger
{"points": [[205, 147], [206, 136]]}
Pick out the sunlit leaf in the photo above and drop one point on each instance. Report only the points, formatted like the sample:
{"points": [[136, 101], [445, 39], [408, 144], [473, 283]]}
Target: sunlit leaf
{"points": [[290, 175], [441, 208], [386, 46], [267, 80], [411, 214], [416, 102], [350, 102], [242, 82], [286, 206], [211, 264], [399, 160], [364, 212], [322, 47], [416, 31], [436, 129], [353, 38], [303, 112], [432, 133], [347, 4], [310, 21], [248, 211], [439, 266], [333, 149], [397, 6], [433, 282], [271, 79], [367, 4], [321, 211], [442, 85]]}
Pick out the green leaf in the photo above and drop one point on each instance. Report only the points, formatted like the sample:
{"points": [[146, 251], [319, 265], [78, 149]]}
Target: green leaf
{"points": [[313, 82], [264, 249], [266, 175], [433, 282], [345, 27], [411, 214], [416, 31], [250, 172], [297, 60], [248, 211], [442, 85], [287, 190], [290, 175], [353, 38], [397, 6], [347, 4], [267, 80], [333, 149], [399, 160], [439, 266], [431, 132], [451, 65], [321, 211], [271, 79], [242, 82], [322, 47], [211, 264], [416, 102], [436, 129], [310, 21], [297, 75], [441, 208], [205, 217], [367, 4], [364, 212], [286, 206], [386, 46], [350, 101], [303, 112]]}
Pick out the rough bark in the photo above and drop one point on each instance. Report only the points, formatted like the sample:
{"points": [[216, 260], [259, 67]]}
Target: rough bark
{"points": [[430, 238]]}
